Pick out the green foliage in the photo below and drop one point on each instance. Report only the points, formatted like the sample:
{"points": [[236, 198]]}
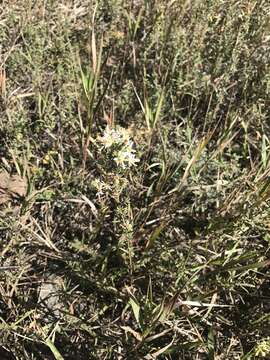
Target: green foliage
{"points": [[141, 131]]}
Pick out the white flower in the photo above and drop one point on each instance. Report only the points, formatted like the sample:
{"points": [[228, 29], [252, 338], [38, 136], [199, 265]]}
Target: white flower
{"points": [[109, 137], [118, 136], [126, 158], [120, 145]]}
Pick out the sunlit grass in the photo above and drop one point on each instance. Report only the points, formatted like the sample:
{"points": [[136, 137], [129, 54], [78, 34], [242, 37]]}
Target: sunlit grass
{"points": [[139, 132]]}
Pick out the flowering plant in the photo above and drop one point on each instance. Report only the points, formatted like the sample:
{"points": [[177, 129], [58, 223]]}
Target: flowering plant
{"points": [[119, 147]]}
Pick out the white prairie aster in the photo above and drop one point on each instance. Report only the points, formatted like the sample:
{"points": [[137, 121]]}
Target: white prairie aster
{"points": [[118, 136], [110, 137], [119, 145], [126, 158]]}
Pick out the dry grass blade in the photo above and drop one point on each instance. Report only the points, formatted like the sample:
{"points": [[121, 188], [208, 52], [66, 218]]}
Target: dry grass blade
{"points": [[155, 355], [94, 49], [3, 82], [40, 235]]}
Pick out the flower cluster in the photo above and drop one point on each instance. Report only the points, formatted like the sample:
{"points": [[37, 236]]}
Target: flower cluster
{"points": [[118, 143]]}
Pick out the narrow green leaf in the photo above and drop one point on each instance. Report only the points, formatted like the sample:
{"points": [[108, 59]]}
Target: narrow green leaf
{"points": [[136, 309], [158, 109], [155, 234], [54, 350]]}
